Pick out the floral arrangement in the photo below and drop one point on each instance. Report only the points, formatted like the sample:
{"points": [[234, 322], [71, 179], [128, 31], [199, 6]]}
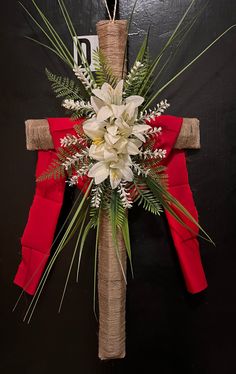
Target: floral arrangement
{"points": [[113, 148]]}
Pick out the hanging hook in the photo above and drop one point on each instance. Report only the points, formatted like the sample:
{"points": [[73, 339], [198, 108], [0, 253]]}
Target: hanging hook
{"points": [[114, 11], [108, 11]]}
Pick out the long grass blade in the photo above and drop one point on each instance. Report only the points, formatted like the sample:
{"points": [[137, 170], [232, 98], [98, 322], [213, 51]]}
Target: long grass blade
{"points": [[72, 259], [48, 47], [166, 199], [126, 237], [107, 9], [95, 264], [113, 212], [35, 299], [114, 11], [128, 28], [186, 67], [77, 224], [54, 241], [53, 32], [73, 34], [83, 240], [185, 31], [168, 43], [45, 33], [184, 211]]}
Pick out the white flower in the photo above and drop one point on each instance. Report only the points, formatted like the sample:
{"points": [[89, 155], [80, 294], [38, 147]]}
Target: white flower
{"points": [[94, 129], [139, 130], [115, 134], [109, 95], [117, 171], [99, 171]]}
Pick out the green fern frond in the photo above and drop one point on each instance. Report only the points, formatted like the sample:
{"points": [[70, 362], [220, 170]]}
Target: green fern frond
{"points": [[139, 71], [117, 214], [75, 116], [157, 173], [147, 199], [149, 145], [126, 237], [117, 211], [64, 153], [65, 87], [143, 47], [106, 198], [135, 78], [80, 131], [103, 70], [94, 214], [55, 170]]}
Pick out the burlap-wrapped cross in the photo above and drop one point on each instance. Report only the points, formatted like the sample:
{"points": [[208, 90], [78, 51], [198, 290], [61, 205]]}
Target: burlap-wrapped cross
{"points": [[111, 284]]}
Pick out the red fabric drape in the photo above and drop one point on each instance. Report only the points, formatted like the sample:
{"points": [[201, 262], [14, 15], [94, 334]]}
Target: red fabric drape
{"points": [[39, 232], [38, 235], [185, 241], [40, 228]]}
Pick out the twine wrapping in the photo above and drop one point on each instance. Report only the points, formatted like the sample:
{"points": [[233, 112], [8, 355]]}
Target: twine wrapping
{"points": [[38, 135], [111, 292], [112, 38], [189, 136]]}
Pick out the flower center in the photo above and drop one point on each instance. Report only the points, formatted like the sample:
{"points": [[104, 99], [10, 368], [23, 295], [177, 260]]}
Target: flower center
{"points": [[114, 174], [98, 141]]}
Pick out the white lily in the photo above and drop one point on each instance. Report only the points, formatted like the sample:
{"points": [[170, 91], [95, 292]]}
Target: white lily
{"points": [[139, 130], [109, 95], [97, 152], [117, 171], [94, 129], [115, 134], [99, 171]]}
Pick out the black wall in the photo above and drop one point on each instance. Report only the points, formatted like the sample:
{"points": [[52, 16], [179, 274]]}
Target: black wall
{"points": [[168, 331]]}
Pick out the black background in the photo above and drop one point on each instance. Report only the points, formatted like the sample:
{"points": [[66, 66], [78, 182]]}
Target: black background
{"points": [[168, 331]]}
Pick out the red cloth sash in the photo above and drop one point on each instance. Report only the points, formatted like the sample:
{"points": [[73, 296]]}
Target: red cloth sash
{"points": [[39, 232], [185, 241]]}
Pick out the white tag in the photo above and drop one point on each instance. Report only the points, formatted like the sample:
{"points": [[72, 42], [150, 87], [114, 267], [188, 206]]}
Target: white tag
{"points": [[88, 44]]}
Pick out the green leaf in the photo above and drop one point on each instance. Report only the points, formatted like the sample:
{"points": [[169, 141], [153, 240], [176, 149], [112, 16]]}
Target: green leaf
{"points": [[103, 70], [117, 214], [83, 218], [128, 29], [51, 35], [136, 77], [166, 199], [126, 237], [143, 49], [95, 262], [73, 34], [138, 73], [160, 55], [65, 87], [30, 310], [47, 47], [55, 170], [182, 34], [150, 101], [86, 231], [147, 199]]}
